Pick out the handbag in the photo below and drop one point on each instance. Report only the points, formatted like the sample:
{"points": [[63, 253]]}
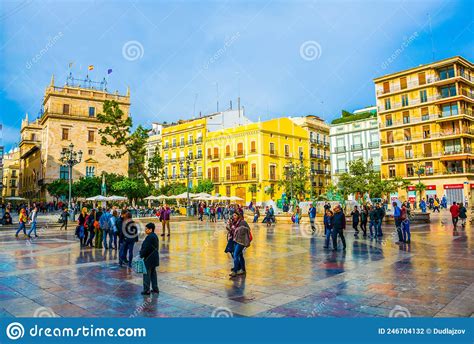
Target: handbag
{"points": [[138, 265], [230, 246], [250, 235]]}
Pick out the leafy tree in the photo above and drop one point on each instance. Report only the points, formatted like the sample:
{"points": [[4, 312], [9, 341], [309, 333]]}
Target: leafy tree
{"points": [[110, 180], [253, 189], [133, 188], [172, 189], [118, 134], [58, 188], [420, 187], [204, 185], [155, 166], [295, 180], [356, 182], [346, 114], [86, 187]]}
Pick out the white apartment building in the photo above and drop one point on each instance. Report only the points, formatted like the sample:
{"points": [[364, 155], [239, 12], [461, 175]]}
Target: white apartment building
{"points": [[354, 139]]}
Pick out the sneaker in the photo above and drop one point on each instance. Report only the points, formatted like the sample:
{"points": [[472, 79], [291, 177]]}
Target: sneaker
{"points": [[163, 234]]}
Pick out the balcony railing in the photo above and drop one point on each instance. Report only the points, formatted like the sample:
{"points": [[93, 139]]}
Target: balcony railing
{"points": [[357, 146], [273, 177], [340, 149], [190, 141], [199, 140], [374, 144], [341, 170], [199, 156]]}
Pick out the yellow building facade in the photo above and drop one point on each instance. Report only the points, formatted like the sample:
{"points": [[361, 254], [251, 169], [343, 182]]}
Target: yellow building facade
{"points": [[69, 116], [11, 172], [426, 124]]}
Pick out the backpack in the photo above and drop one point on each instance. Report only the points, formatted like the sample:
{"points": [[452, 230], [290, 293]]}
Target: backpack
{"points": [[104, 222]]}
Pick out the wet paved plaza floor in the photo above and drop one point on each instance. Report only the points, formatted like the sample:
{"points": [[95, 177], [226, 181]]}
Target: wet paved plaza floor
{"points": [[289, 274]]}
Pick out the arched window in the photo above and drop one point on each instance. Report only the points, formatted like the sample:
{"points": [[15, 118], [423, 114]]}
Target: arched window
{"points": [[253, 170], [253, 147], [240, 148], [227, 150], [216, 152]]}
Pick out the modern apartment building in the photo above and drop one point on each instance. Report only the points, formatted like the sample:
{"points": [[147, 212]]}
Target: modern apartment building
{"points": [[426, 127], [354, 137], [69, 116]]}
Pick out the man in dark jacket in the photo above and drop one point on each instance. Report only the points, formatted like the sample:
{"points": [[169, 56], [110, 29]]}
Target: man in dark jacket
{"points": [[129, 233], [151, 257], [355, 220], [338, 225]]}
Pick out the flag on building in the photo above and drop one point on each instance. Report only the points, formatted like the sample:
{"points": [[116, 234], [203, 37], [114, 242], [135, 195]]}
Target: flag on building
{"points": [[91, 67], [109, 71], [71, 64]]}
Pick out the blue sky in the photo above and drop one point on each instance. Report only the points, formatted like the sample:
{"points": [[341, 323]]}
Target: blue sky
{"points": [[284, 58]]}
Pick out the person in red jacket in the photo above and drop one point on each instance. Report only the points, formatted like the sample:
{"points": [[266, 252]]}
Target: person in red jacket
{"points": [[454, 210]]}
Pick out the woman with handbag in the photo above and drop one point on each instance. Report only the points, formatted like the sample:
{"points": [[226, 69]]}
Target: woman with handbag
{"points": [[81, 226], [241, 237], [90, 228]]}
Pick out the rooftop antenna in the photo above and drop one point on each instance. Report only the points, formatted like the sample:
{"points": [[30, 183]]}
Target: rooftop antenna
{"points": [[217, 95], [431, 37]]}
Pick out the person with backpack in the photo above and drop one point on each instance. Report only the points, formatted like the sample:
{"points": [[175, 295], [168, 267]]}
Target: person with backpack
{"points": [[129, 233], [104, 222]]}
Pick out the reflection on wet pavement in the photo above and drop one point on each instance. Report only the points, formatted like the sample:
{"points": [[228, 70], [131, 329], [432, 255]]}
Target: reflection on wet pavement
{"points": [[288, 275]]}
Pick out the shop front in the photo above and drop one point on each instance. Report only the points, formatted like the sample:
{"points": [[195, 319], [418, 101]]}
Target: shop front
{"points": [[454, 193]]}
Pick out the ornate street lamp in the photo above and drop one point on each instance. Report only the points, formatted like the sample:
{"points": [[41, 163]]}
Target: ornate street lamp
{"points": [[70, 158], [188, 166]]}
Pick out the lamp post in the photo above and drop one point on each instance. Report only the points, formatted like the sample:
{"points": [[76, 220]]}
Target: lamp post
{"points": [[70, 158], [188, 166], [312, 173]]}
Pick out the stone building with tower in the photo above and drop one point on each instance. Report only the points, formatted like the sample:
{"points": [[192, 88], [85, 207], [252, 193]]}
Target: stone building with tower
{"points": [[68, 116]]}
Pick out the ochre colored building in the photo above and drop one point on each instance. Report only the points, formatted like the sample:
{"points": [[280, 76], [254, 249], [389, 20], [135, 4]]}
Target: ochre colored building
{"points": [[11, 172], [426, 127], [69, 116]]}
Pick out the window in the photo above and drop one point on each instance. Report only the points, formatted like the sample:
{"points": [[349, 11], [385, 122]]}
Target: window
{"points": [[407, 134], [227, 173], [215, 174], [388, 121], [449, 109], [64, 172], [423, 96], [90, 171], [429, 168], [403, 83], [404, 100], [427, 150], [410, 172], [426, 131], [90, 152], [408, 152], [90, 136], [448, 91], [240, 148], [65, 134], [272, 172], [227, 191], [424, 114], [421, 78], [406, 117], [182, 141], [199, 153], [174, 142], [389, 136], [287, 150], [386, 87], [66, 109], [388, 106], [272, 148], [446, 73], [390, 154], [227, 150], [216, 152], [391, 171], [209, 173], [254, 171], [253, 147], [91, 111]]}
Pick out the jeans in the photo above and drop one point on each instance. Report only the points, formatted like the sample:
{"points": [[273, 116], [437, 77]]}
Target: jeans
{"points": [[111, 238], [379, 227], [406, 230], [114, 240], [355, 225], [363, 226], [91, 237], [311, 221], [150, 278], [239, 261], [33, 228], [255, 218], [127, 248], [327, 232], [372, 224], [455, 221], [21, 228]]}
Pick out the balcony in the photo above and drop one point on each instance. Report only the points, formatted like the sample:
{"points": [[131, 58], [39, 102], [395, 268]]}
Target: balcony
{"points": [[341, 170], [215, 157], [315, 156], [374, 144], [340, 149], [173, 145], [451, 151], [190, 141], [239, 154], [182, 144], [173, 160], [273, 152], [413, 120], [166, 146], [199, 140], [357, 147]]}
